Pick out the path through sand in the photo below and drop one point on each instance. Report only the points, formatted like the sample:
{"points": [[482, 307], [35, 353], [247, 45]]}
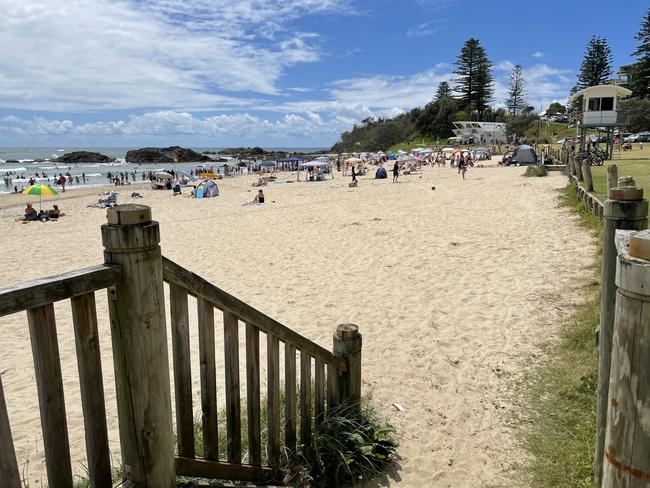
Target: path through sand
{"points": [[453, 289]]}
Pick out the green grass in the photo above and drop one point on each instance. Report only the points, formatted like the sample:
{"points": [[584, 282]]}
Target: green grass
{"points": [[561, 393], [629, 163]]}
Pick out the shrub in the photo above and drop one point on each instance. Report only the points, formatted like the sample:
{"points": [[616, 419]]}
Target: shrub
{"points": [[536, 171], [351, 444]]}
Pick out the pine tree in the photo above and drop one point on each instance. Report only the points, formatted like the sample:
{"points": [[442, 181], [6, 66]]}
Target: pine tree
{"points": [[596, 67], [475, 83], [443, 92], [516, 101], [640, 72]]}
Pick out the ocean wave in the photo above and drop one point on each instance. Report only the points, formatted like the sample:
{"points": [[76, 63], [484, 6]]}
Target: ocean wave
{"points": [[11, 168]]}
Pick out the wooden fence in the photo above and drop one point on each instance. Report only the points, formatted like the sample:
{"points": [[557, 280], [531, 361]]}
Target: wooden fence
{"points": [[622, 456], [134, 274]]}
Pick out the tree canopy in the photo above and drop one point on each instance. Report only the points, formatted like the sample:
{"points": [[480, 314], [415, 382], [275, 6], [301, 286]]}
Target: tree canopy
{"points": [[640, 70], [474, 82], [516, 101], [596, 67]]}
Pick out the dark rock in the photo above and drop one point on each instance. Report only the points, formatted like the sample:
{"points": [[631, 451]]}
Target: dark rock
{"points": [[157, 155], [83, 157]]}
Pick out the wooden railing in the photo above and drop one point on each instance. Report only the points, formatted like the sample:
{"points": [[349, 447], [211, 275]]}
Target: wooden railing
{"points": [[134, 274], [37, 298], [329, 371]]}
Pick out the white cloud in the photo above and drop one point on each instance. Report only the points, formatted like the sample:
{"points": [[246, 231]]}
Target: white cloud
{"points": [[171, 123], [538, 54], [119, 54], [425, 29]]}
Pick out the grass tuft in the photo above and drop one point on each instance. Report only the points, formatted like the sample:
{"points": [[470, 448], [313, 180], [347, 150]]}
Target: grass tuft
{"points": [[536, 171]]}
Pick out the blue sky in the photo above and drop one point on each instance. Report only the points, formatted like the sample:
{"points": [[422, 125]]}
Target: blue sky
{"points": [[269, 72]]}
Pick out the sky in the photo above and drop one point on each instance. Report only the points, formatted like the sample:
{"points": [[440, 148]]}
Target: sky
{"points": [[273, 73]]}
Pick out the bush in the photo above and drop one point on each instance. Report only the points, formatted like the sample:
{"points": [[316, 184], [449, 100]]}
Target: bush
{"points": [[536, 171], [347, 447]]}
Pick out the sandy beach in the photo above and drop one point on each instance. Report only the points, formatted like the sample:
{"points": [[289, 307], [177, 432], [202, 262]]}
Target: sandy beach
{"points": [[454, 290]]}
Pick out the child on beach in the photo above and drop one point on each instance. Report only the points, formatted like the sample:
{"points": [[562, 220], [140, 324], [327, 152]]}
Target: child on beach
{"points": [[395, 172]]}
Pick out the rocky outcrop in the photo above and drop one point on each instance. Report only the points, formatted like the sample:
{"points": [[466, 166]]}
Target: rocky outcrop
{"points": [[83, 157], [158, 155]]}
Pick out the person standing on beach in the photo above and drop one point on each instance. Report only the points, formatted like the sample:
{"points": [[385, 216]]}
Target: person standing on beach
{"points": [[462, 167], [354, 174], [395, 172]]}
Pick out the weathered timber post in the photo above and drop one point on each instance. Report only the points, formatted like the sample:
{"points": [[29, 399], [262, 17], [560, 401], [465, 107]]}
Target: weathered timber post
{"points": [[578, 169], [347, 345], [612, 176], [140, 356], [586, 172], [8, 465], [627, 453], [624, 209]]}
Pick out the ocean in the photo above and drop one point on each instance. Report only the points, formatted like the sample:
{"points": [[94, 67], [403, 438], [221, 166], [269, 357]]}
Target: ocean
{"points": [[96, 174]]}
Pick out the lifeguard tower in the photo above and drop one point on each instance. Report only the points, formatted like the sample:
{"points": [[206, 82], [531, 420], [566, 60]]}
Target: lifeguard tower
{"points": [[600, 110]]}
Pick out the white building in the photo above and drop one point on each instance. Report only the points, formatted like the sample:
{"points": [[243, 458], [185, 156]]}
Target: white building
{"points": [[599, 106], [468, 132]]}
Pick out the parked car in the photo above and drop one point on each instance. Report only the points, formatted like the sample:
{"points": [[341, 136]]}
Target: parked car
{"points": [[631, 138], [643, 136]]}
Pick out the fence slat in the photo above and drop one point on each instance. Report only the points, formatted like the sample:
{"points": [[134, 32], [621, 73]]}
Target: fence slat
{"points": [[182, 370], [305, 398], [8, 465], [239, 472], [332, 387], [319, 394], [49, 383], [253, 394], [208, 380], [290, 396], [273, 359], [43, 291], [84, 318], [233, 414]]}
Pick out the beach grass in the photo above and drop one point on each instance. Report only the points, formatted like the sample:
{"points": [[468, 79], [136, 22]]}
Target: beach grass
{"points": [[561, 393]]}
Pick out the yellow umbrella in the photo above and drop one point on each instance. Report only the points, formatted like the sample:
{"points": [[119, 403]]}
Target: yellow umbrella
{"points": [[40, 190]]}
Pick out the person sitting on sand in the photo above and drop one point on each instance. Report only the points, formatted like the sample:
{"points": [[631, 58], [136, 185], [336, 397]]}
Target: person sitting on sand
{"points": [[259, 198], [177, 189], [30, 213], [54, 213]]}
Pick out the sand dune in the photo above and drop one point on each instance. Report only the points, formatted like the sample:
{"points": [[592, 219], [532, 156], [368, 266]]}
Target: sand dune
{"points": [[454, 291]]}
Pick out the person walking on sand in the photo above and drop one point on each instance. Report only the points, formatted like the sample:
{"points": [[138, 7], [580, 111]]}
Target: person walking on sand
{"points": [[395, 172], [462, 167], [354, 174]]}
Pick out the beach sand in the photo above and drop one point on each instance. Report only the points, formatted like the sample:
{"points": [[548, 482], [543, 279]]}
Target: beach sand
{"points": [[454, 291]]}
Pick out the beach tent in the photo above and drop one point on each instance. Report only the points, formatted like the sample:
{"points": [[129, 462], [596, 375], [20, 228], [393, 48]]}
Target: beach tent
{"points": [[524, 154], [380, 174], [206, 189], [323, 167]]}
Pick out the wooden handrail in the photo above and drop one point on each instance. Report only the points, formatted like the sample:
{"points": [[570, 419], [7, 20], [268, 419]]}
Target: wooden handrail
{"points": [[43, 291], [199, 287]]}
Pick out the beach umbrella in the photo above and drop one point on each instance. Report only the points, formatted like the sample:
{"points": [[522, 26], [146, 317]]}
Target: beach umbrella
{"points": [[40, 190]]}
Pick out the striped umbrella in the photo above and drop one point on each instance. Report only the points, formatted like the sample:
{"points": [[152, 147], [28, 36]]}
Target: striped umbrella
{"points": [[40, 190]]}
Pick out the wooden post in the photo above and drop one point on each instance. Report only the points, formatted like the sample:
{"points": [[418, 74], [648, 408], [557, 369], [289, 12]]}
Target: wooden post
{"points": [[586, 172], [8, 465], [612, 176], [347, 345], [626, 458], [140, 356], [624, 209], [578, 169]]}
